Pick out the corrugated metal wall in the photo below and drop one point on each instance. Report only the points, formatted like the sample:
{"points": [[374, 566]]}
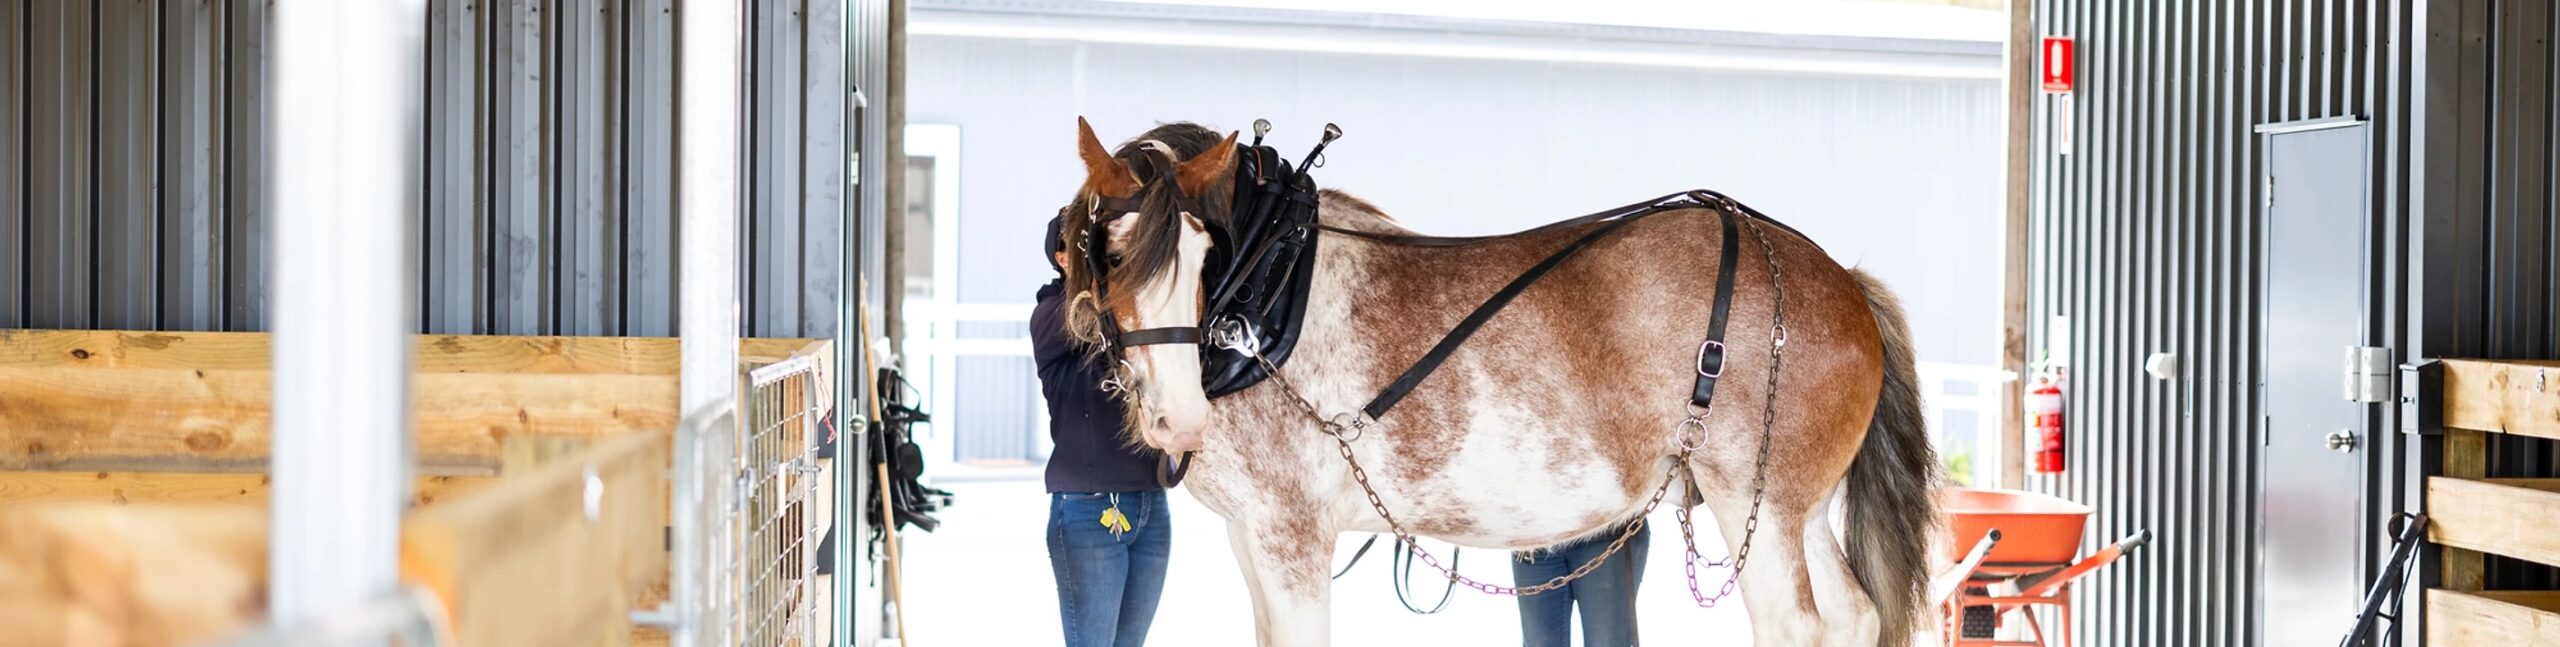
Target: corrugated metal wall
{"points": [[2146, 234], [2487, 256], [131, 137]]}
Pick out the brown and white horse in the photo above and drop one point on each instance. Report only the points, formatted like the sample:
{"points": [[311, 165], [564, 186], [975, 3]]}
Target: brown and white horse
{"points": [[1555, 422]]}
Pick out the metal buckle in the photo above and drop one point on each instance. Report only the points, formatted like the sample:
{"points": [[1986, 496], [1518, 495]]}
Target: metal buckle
{"points": [[1703, 369]]}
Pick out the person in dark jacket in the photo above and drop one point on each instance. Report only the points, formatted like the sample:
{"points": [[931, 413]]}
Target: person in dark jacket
{"points": [[1110, 534]]}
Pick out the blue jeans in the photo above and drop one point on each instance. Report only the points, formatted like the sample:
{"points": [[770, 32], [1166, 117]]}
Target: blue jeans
{"points": [[1108, 582], [1607, 595]]}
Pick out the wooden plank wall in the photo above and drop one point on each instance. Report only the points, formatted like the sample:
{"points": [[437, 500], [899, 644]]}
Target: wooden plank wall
{"points": [[2476, 520], [156, 402]]}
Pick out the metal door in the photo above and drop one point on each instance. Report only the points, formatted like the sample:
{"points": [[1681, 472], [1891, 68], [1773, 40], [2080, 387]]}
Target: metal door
{"points": [[2313, 298]]}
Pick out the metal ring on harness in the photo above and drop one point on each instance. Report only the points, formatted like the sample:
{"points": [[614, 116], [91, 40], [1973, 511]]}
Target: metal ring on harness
{"points": [[1348, 426], [1235, 334], [1680, 434], [1117, 382]]}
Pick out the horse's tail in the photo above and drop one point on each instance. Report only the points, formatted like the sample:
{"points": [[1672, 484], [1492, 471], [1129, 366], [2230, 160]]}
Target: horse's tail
{"points": [[1892, 513]]}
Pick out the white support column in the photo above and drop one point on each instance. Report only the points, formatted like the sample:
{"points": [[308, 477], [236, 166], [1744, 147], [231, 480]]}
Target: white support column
{"points": [[707, 135], [345, 197]]}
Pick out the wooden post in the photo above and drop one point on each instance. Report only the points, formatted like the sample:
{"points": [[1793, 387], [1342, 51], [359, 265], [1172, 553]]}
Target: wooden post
{"points": [[2013, 258], [2465, 456]]}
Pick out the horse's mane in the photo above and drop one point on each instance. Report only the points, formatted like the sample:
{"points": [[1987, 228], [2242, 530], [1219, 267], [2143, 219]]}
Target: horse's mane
{"points": [[1350, 212]]}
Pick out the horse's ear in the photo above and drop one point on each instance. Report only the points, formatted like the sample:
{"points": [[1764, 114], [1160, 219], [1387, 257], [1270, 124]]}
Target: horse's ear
{"points": [[1205, 169], [1104, 175]]}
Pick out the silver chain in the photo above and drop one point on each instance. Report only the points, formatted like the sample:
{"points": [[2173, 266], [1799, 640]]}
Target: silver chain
{"points": [[1768, 428], [1350, 426], [1344, 431]]}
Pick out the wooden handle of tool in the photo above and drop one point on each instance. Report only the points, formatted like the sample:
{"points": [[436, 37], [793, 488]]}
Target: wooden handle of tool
{"points": [[889, 525]]}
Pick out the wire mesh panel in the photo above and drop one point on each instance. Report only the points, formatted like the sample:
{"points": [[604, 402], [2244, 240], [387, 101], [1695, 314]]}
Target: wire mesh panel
{"points": [[779, 476]]}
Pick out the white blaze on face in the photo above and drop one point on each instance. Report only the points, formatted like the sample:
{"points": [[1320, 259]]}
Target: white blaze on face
{"points": [[1168, 375]]}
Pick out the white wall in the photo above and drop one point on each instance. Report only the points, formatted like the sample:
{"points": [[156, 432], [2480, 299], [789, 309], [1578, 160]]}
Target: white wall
{"points": [[1897, 176]]}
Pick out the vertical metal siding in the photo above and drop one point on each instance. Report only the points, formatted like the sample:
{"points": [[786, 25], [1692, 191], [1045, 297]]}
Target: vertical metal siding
{"points": [[824, 84], [61, 90], [245, 196], [13, 166], [127, 234], [589, 167], [2483, 258], [191, 177], [648, 244], [2146, 235], [132, 145], [520, 259], [449, 267], [775, 42]]}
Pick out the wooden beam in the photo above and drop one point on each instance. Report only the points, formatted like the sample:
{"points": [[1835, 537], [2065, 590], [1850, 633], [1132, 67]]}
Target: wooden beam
{"points": [[525, 561], [95, 574], [2017, 209], [2517, 518], [529, 456], [517, 561], [2466, 456], [766, 350], [434, 353], [162, 420], [147, 488], [2492, 618], [2506, 396]]}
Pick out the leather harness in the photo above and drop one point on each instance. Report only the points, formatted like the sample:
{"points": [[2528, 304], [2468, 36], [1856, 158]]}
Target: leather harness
{"points": [[1256, 301]]}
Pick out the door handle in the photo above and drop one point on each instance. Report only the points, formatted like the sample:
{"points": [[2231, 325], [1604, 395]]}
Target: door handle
{"points": [[2342, 441]]}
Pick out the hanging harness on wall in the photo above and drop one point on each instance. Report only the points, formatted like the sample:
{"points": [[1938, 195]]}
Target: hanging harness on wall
{"points": [[892, 439]]}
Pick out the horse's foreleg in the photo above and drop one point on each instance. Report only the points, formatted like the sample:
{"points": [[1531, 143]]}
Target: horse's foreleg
{"points": [[1284, 567], [1848, 617]]}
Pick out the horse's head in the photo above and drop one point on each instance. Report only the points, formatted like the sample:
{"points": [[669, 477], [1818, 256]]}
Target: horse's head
{"points": [[1138, 242]]}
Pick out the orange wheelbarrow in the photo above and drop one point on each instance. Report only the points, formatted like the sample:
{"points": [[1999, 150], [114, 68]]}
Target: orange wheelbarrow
{"points": [[2018, 552]]}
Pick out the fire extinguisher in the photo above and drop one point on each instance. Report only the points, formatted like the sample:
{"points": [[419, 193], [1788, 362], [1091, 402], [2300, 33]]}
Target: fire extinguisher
{"points": [[2044, 413]]}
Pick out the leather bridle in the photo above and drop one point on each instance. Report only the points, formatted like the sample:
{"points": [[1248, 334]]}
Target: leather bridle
{"points": [[1255, 278], [1258, 268]]}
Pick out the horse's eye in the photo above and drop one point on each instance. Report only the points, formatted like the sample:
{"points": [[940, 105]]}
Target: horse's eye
{"points": [[1115, 261]]}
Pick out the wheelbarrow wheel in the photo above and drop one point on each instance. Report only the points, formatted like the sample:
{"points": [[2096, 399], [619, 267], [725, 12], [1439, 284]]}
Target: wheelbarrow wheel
{"points": [[1979, 621]]}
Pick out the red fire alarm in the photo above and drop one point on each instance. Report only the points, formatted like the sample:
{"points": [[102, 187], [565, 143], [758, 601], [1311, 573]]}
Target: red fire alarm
{"points": [[2057, 63]]}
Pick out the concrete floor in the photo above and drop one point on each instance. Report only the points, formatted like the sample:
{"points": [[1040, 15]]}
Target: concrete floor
{"points": [[983, 579]]}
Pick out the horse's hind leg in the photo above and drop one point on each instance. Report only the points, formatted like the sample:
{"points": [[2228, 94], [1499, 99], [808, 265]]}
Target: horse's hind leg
{"points": [[1848, 617], [1775, 590], [1285, 570]]}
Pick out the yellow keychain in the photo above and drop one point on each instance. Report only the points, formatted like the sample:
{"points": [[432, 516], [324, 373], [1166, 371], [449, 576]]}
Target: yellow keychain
{"points": [[1112, 519]]}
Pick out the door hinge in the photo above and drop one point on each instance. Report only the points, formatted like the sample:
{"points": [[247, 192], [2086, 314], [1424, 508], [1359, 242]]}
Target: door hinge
{"points": [[2269, 198], [2370, 374]]}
